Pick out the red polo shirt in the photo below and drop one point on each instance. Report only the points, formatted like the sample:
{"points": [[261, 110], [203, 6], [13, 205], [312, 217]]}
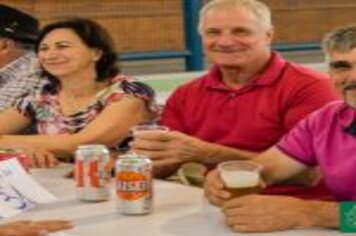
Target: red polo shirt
{"points": [[253, 117]]}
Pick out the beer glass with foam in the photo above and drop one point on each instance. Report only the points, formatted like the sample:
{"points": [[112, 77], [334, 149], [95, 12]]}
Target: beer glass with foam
{"points": [[142, 128], [240, 177]]}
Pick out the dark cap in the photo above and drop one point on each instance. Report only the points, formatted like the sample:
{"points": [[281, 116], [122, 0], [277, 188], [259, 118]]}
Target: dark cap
{"points": [[18, 25]]}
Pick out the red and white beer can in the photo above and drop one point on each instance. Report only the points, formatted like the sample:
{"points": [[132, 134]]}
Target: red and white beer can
{"points": [[134, 184], [21, 156], [92, 175]]}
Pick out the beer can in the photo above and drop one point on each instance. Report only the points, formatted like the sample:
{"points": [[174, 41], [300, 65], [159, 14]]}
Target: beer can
{"points": [[134, 184], [92, 175], [20, 155]]}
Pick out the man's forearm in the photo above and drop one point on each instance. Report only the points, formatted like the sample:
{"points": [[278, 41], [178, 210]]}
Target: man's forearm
{"points": [[212, 153]]}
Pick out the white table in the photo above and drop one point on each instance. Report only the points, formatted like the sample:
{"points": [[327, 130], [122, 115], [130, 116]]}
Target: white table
{"points": [[179, 210]]}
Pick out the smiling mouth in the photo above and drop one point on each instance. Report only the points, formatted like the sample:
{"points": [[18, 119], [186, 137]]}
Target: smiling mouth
{"points": [[349, 86], [228, 51], [54, 64]]}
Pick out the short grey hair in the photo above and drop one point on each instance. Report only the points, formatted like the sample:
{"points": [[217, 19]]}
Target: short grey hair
{"points": [[259, 9], [341, 39]]}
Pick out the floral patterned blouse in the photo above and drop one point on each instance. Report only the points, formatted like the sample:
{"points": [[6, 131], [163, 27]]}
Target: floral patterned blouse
{"points": [[42, 106]]}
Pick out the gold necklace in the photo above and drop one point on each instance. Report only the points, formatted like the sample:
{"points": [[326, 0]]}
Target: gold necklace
{"points": [[73, 104]]}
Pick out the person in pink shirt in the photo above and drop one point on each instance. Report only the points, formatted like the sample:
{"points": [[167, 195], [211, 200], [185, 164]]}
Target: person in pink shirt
{"points": [[326, 138]]}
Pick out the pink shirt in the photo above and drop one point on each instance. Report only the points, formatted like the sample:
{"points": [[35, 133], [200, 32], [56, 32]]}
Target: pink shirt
{"points": [[320, 140]]}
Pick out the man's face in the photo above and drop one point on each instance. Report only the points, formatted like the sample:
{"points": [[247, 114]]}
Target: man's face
{"points": [[342, 69], [9, 51], [233, 37]]}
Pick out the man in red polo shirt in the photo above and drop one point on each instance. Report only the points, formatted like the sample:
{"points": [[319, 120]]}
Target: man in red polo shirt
{"points": [[326, 138], [247, 101]]}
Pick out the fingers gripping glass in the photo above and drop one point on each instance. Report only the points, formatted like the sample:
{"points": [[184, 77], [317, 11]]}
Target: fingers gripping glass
{"points": [[142, 128]]}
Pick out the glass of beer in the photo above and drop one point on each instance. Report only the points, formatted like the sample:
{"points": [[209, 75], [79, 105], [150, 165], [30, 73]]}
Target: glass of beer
{"points": [[151, 127], [240, 177], [142, 131]]}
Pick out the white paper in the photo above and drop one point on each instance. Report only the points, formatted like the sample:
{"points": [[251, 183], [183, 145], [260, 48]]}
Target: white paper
{"points": [[18, 190], [12, 171], [12, 198], [7, 211]]}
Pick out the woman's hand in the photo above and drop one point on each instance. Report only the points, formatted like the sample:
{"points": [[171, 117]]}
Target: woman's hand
{"points": [[41, 158]]}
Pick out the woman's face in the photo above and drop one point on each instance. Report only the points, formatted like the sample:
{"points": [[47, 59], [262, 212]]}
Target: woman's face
{"points": [[63, 54]]}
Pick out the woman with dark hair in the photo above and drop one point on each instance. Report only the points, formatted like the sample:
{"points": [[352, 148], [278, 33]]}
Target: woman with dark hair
{"points": [[82, 100]]}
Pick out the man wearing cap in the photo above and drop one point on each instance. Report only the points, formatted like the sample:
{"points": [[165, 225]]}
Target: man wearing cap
{"points": [[18, 63]]}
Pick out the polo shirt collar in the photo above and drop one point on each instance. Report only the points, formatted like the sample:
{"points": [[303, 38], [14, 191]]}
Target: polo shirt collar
{"points": [[346, 115], [267, 77]]}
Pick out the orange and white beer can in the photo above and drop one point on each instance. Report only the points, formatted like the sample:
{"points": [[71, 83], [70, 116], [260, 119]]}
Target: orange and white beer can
{"points": [[92, 175], [134, 184]]}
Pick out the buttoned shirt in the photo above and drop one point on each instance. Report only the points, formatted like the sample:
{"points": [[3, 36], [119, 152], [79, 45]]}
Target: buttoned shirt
{"points": [[253, 117], [17, 78]]}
